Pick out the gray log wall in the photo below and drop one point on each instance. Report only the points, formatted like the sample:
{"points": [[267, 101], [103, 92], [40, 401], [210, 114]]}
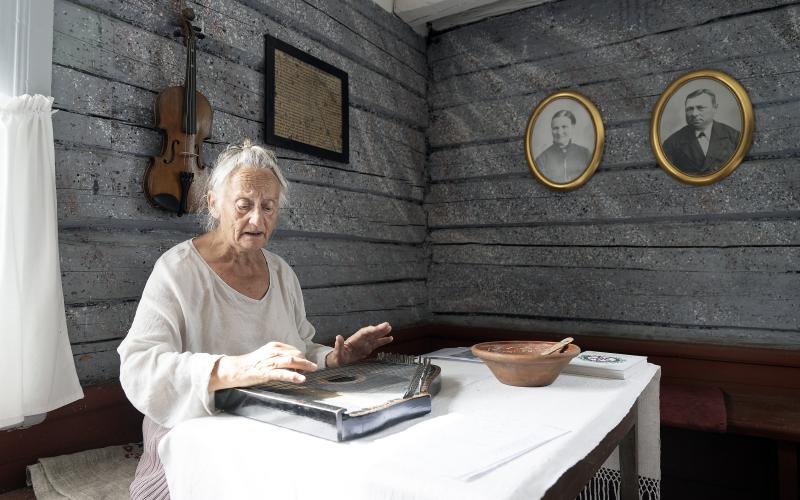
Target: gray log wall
{"points": [[354, 232], [634, 252]]}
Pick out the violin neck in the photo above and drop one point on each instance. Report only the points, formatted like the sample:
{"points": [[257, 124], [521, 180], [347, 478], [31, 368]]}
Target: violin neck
{"points": [[190, 87]]}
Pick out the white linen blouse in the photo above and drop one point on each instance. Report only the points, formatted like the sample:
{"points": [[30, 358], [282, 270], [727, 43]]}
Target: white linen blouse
{"points": [[188, 317]]}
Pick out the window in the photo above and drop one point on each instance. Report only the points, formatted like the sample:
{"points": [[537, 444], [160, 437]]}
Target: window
{"points": [[26, 47]]}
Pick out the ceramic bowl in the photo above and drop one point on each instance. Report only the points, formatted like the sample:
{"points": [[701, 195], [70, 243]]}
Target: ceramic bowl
{"points": [[521, 363]]}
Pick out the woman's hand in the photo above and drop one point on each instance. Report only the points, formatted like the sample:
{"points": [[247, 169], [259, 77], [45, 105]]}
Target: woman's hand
{"points": [[359, 345], [273, 361]]}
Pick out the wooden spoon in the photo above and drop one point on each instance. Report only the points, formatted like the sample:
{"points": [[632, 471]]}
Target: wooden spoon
{"points": [[558, 346]]}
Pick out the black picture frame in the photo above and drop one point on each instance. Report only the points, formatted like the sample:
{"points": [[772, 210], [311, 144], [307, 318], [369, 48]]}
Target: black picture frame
{"points": [[272, 44]]}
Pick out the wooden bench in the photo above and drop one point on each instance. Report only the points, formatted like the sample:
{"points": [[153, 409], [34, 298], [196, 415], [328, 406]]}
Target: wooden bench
{"points": [[760, 389], [722, 389], [104, 417]]}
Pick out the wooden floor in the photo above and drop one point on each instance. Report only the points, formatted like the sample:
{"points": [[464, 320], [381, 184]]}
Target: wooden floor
{"points": [[23, 494]]}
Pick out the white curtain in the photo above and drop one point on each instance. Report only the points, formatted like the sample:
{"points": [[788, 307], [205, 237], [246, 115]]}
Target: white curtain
{"points": [[37, 372]]}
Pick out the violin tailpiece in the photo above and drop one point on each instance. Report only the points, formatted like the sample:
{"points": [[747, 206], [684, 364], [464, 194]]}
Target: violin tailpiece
{"points": [[186, 182]]}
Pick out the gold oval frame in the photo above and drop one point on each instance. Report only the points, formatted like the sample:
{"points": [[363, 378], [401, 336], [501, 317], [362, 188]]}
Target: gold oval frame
{"points": [[599, 141], [745, 139]]}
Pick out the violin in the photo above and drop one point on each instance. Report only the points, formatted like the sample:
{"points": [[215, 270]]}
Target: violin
{"points": [[174, 179]]}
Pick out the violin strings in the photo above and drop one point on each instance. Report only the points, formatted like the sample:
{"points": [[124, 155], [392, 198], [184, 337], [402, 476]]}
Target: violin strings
{"points": [[192, 95]]}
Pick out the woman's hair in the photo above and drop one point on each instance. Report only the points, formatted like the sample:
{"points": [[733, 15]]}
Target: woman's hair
{"points": [[564, 112], [230, 161]]}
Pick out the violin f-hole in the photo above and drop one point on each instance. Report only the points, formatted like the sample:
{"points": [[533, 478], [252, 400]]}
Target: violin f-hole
{"points": [[197, 155], [172, 151]]}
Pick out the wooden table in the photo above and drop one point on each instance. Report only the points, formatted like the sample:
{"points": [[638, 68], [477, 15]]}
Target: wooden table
{"points": [[570, 484], [201, 456]]}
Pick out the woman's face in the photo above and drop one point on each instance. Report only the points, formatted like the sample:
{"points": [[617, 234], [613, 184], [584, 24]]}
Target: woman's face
{"points": [[248, 208], [562, 130]]}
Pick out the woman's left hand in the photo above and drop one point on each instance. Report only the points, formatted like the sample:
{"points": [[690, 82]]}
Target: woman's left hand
{"points": [[359, 345]]}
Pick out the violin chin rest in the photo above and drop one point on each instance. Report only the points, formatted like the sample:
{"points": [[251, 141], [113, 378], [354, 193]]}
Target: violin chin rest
{"points": [[167, 202]]}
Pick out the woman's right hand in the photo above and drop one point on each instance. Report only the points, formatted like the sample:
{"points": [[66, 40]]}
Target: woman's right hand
{"points": [[273, 361]]}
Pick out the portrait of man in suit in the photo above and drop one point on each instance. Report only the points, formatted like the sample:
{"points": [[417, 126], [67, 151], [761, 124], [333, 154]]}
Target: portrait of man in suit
{"points": [[564, 160], [704, 144]]}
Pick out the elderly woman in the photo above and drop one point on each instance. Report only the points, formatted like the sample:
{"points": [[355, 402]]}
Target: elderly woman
{"points": [[220, 311]]}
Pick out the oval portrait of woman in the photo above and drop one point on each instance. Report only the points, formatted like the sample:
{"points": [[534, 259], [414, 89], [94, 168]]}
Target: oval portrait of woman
{"points": [[702, 127], [564, 140]]}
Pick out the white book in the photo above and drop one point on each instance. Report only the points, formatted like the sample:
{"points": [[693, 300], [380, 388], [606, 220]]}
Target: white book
{"points": [[605, 364]]}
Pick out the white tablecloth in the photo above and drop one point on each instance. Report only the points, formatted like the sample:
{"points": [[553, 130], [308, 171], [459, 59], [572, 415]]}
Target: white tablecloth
{"points": [[234, 457]]}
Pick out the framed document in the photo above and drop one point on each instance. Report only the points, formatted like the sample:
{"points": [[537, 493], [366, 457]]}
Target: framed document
{"points": [[564, 140], [702, 127], [306, 103]]}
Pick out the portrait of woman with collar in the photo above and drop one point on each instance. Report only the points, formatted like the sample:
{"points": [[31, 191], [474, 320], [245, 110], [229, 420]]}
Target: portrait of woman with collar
{"points": [[564, 161]]}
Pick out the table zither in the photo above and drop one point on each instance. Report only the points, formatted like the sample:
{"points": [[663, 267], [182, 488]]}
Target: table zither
{"points": [[341, 403]]}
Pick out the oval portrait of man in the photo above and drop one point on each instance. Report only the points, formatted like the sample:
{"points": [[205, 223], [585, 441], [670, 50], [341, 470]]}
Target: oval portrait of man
{"points": [[562, 139], [703, 126]]}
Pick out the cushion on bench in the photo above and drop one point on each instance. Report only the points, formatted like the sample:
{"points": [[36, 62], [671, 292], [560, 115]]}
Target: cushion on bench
{"points": [[694, 407]]}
